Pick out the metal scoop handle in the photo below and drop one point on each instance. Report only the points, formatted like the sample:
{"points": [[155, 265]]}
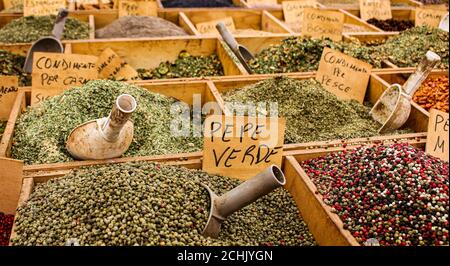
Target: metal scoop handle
{"points": [[427, 64], [60, 22]]}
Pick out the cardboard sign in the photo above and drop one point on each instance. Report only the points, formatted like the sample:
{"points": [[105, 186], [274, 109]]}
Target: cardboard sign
{"points": [[343, 75], [323, 23], [53, 73], [429, 16], [7, 4], [241, 146], [87, 2], [379, 9], [437, 139], [209, 27], [138, 8], [111, 66], [9, 85], [261, 2], [293, 10], [10, 184], [42, 7]]}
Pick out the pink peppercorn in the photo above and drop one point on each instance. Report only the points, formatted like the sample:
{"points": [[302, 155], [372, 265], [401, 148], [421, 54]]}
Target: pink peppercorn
{"points": [[6, 224]]}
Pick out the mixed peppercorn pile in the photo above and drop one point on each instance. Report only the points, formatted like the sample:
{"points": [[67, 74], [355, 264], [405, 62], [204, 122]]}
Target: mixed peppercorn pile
{"points": [[6, 224], [395, 194]]}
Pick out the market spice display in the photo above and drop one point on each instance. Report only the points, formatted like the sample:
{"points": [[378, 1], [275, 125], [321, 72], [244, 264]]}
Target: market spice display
{"points": [[11, 65], [197, 3], [148, 204], [31, 28], [138, 27], [395, 194], [6, 224], [312, 113], [391, 24], [433, 94], [185, 66], [41, 132]]}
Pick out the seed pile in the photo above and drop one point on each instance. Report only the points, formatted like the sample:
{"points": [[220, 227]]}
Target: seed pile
{"points": [[433, 94], [148, 204], [391, 24], [197, 3], [185, 66], [299, 55], [396, 194], [31, 28], [6, 224], [314, 114], [138, 27], [410, 46], [41, 132], [11, 65]]}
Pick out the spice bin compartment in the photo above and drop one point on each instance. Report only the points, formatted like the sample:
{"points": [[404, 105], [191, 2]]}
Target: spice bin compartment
{"points": [[354, 7], [236, 4]]}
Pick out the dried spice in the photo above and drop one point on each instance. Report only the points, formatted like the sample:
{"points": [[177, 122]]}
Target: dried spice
{"points": [[185, 66], [409, 47], [433, 94], [391, 24], [395, 194], [11, 65], [138, 27], [2, 128], [197, 3], [41, 132], [147, 204], [296, 54], [31, 28], [6, 224], [314, 114]]}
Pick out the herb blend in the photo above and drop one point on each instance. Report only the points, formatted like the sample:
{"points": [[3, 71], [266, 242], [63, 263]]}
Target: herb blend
{"points": [[148, 204], [2, 128], [197, 3], [185, 66], [41, 132], [312, 113], [6, 224], [395, 194], [11, 65], [391, 24], [433, 94], [31, 28]]}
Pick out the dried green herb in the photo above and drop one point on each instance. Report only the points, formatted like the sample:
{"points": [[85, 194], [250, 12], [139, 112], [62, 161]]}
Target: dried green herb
{"points": [[312, 113], [2, 128], [41, 132], [31, 28], [410, 46], [147, 204], [185, 66], [11, 65], [296, 54]]}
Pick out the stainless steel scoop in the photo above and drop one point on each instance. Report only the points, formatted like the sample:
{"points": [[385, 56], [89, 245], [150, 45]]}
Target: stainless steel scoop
{"points": [[107, 137], [241, 52], [394, 106], [49, 44], [241, 196]]}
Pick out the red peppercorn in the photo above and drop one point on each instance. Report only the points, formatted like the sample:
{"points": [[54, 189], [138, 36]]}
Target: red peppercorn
{"points": [[6, 224]]}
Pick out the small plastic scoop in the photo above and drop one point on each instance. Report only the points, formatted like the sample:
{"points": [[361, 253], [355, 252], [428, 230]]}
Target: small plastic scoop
{"points": [[107, 137], [48, 44], [394, 106], [443, 25], [242, 53], [241, 196]]}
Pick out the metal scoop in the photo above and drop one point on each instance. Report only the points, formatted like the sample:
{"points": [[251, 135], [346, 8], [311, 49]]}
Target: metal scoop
{"points": [[443, 25], [242, 53], [48, 44], [394, 106], [241, 196], [107, 137]]}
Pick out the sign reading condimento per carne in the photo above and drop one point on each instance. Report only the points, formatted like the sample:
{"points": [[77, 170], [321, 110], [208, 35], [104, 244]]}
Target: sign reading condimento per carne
{"points": [[53, 73], [42, 7]]}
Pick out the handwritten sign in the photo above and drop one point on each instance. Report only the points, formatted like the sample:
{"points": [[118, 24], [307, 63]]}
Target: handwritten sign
{"points": [[293, 10], [138, 8], [209, 27], [379, 9], [87, 2], [7, 4], [429, 16], [53, 73], [241, 146], [9, 86], [42, 7], [111, 66], [323, 23], [261, 2], [343, 75], [437, 139], [11, 177]]}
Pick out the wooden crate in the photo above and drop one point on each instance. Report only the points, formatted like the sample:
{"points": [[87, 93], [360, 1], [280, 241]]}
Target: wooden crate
{"points": [[395, 5]]}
